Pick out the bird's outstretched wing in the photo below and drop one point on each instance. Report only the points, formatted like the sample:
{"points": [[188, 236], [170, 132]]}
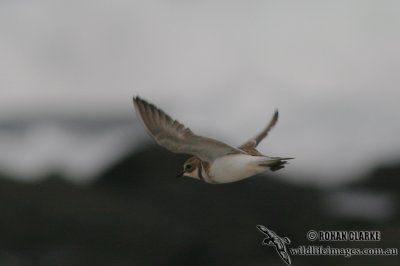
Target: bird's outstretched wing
{"points": [[177, 138], [252, 143]]}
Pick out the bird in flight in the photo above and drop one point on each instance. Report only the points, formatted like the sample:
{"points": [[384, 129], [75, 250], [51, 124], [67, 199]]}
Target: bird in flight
{"points": [[213, 161]]}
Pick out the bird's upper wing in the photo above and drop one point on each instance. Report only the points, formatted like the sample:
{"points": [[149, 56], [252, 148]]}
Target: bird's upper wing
{"points": [[252, 143], [176, 137]]}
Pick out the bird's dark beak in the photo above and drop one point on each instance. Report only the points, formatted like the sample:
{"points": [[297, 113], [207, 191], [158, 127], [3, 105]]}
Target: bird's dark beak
{"points": [[180, 174]]}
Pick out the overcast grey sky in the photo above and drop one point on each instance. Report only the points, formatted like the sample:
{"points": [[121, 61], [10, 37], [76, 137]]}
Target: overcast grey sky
{"points": [[220, 67]]}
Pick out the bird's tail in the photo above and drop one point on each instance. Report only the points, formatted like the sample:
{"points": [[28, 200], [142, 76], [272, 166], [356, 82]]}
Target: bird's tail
{"points": [[275, 163]]}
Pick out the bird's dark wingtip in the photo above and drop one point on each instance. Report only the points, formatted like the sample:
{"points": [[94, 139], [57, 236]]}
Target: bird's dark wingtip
{"points": [[276, 113]]}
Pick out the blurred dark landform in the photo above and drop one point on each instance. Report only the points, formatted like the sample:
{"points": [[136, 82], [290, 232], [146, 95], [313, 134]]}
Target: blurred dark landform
{"points": [[138, 213]]}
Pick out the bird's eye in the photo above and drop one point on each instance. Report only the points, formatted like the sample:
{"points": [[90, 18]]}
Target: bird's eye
{"points": [[188, 167]]}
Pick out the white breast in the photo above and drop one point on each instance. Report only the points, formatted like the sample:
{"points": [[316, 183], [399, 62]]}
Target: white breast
{"points": [[235, 167]]}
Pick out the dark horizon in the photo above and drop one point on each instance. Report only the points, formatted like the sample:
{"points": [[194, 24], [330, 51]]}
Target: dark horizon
{"points": [[136, 213]]}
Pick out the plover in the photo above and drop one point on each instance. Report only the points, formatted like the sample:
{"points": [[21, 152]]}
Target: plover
{"points": [[213, 161]]}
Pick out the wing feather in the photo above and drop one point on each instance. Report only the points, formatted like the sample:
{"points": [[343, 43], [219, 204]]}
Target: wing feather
{"points": [[177, 138], [252, 143]]}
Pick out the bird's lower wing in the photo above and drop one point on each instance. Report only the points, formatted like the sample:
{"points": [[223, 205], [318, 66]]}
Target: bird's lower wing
{"points": [[177, 138]]}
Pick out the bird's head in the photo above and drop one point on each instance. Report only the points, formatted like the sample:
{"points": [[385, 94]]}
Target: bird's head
{"points": [[191, 168]]}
